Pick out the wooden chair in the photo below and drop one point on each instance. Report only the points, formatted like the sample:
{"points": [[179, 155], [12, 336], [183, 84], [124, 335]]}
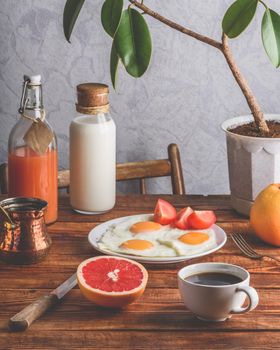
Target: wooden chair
{"points": [[129, 171]]}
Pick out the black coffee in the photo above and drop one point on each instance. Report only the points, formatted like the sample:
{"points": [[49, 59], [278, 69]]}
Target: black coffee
{"points": [[213, 279]]}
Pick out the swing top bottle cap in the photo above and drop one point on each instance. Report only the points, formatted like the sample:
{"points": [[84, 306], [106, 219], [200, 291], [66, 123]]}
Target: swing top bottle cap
{"points": [[33, 79], [92, 94]]}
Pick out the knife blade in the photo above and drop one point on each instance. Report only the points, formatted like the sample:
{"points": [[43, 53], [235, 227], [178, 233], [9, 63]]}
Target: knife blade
{"points": [[23, 319], [65, 287]]}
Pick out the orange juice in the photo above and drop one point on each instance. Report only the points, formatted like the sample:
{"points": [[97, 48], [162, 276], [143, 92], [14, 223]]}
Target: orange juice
{"points": [[34, 175]]}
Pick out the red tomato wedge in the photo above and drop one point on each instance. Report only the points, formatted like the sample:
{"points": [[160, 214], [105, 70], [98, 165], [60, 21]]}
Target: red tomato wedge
{"points": [[201, 219], [164, 212], [182, 218]]}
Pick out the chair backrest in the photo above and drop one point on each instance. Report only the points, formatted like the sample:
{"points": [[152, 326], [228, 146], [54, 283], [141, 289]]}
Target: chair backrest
{"points": [[129, 171], [4, 178]]}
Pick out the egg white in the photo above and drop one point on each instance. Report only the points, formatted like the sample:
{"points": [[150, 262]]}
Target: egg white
{"points": [[171, 239]]}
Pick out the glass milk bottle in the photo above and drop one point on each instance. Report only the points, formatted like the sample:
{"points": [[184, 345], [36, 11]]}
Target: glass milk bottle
{"points": [[32, 158], [92, 152]]}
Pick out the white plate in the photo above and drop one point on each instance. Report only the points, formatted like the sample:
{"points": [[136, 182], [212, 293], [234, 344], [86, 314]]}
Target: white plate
{"points": [[97, 232]]}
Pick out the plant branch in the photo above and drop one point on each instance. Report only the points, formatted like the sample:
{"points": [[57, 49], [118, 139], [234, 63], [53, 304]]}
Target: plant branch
{"points": [[251, 100], [176, 26], [225, 49]]}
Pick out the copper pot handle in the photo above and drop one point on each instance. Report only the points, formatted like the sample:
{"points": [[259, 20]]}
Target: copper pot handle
{"points": [[4, 211]]}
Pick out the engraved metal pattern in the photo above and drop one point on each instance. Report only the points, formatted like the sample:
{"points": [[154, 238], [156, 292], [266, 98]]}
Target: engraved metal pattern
{"points": [[26, 241]]}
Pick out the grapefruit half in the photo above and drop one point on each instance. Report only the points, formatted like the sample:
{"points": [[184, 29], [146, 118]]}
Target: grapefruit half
{"points": [[111, 281]]}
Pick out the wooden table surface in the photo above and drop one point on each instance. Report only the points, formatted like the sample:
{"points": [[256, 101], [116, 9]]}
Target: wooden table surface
{"points": [[158, 320]]}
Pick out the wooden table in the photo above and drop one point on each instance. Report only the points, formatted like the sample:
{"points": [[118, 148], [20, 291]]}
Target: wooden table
{"points": [[158, 320]]}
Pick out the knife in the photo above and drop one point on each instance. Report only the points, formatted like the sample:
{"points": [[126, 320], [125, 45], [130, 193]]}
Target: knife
{"points": [[23, 319]]}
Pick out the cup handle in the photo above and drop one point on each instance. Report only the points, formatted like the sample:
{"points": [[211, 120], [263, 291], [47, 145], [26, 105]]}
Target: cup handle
{"points": [[253, 300]]}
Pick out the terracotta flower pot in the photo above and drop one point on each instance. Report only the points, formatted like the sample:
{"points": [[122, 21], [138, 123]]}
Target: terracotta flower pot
{"points": [[253, 163]]}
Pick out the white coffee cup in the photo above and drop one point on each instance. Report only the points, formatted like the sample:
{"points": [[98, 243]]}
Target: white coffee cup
{"points": [[216, 302]]}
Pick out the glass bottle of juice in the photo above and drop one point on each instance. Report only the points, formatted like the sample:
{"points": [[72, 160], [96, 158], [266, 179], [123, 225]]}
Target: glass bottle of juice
{"points": [[32, 159]]}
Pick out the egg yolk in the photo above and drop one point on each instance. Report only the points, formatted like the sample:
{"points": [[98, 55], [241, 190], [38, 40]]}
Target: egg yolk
{"points": [[137, 244], [194, 238], [145, 226]]}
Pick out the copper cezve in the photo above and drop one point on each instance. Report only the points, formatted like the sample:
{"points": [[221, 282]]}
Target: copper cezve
{"points": [[23, 234]]}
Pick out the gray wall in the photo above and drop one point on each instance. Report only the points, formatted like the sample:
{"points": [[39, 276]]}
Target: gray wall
{"points": [[185, 95]]}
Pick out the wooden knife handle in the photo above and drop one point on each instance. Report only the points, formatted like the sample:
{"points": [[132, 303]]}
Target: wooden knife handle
{"points": [[23, 319]]}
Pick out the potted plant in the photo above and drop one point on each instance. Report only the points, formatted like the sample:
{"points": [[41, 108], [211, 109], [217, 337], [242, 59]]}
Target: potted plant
{"points": [[253, 141]]}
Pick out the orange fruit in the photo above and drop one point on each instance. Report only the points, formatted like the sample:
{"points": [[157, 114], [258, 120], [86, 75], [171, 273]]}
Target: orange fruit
{"points": [[265, 215], [111, 281]]}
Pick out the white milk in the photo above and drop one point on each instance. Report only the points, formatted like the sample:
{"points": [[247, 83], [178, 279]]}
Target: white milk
{"points": [[93, 163]]}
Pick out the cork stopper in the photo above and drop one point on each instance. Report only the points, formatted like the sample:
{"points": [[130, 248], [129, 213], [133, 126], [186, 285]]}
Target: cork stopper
{"points": [[92, 98]]}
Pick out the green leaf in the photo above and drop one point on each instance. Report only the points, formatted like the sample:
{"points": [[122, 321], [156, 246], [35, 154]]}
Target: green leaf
{"points": [[238, 17], [271, 36], [111, 15], [133, 42], [71, 12], [114, 62]]}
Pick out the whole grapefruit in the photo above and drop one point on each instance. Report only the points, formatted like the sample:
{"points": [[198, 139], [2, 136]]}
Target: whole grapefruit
{"points": [[111, 281], [265, 215]]}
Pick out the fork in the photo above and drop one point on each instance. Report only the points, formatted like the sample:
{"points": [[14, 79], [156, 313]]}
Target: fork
{"points": [[247, 249]]}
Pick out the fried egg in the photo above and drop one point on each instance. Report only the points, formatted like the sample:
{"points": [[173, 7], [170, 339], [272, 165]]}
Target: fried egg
{"points": [[189, 242], [142, 247], [137, 225]]}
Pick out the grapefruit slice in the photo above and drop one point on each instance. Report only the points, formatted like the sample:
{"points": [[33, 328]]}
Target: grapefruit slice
{"points": [[111, 281]]}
